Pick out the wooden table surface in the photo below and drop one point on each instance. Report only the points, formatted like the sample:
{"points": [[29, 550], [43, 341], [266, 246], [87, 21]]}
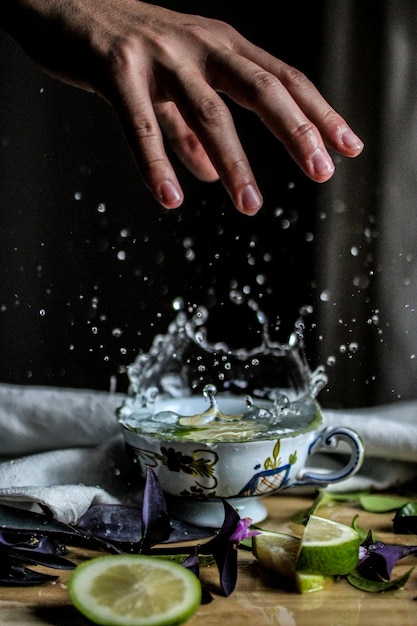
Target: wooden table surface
{"points": [[256, 601]]}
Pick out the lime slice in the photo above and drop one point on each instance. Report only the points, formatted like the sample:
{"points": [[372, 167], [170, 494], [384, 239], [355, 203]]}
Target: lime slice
{"points": [[328, 547], [134, 590], [277, 555]]}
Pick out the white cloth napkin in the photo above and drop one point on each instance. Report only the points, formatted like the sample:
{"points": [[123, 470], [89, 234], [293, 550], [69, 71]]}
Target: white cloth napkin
{"points": [[389, 433], [62, 449]]}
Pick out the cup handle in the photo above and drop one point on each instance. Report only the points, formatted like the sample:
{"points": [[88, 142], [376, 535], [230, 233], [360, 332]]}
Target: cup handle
{"points": [[329, 438]]}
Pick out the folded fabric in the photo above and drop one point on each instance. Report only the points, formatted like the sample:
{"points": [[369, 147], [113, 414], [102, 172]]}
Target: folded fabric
{"points": [[62, 449], [389, 434], [388, 431], [66, 503], [67, 481], [35, 419]]}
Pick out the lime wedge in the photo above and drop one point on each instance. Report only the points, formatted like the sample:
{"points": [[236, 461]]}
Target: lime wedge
{"points": [[328, 548], [134, 590], [277, 555]]}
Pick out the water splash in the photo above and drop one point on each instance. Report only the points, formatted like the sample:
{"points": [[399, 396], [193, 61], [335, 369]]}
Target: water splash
{"points": [[270, 383]]}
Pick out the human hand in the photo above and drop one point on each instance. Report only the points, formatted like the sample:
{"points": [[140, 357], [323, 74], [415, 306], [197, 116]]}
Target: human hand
{"points": [[162, 72]]}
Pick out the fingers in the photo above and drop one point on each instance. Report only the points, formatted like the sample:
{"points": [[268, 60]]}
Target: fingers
{"points": [[199, 125], [132, 104], [201, 130], [298, 133], [290, 106], [206, 113], [318, 117], [185, 143], [336, 132]]}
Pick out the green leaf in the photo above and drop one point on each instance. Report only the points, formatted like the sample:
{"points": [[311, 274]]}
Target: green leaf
{"points": [[180, 557], [409, 508], [374, 586], [405, 520], [350, 496], [246, 544], [375, 503], [363, 534], [323, 499]]}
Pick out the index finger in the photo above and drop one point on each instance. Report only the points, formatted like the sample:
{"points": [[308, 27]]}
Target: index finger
{"points": [[210, 118], [131, 101]]}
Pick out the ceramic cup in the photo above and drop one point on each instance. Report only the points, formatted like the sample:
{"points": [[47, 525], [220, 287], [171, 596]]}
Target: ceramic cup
{"points": [[196, 474]]}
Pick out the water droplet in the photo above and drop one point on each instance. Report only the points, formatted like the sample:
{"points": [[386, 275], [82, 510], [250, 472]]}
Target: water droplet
{"points": [[178, 304], [209, 391], [189, 255], [361, 281]]}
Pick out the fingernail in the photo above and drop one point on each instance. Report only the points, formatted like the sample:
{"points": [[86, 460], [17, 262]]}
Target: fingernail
{"points": [[169, 193], [251, 199], [350, 140], [322, 163]]}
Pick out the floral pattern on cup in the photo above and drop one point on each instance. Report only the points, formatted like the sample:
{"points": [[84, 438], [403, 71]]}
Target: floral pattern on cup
{"points": [[273, 476], [199, 463]]}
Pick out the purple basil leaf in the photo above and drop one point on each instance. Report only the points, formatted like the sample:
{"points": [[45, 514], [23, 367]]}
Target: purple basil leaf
{"points": [[184, 531], [231, 519], [12, 518], [193, 564], [226, 559], [14, 574], [30, 548], [18, 520], [156, 526], [113, 522], [30, 578], [224, 550], [377, 586], [32, 541], [33, 557], [27, 522], [123, 524], [230, 523], [380, 559], [206, 596]]}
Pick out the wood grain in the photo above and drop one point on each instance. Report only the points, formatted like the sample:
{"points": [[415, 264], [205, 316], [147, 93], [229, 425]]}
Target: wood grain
{"points": [[256, 601]]}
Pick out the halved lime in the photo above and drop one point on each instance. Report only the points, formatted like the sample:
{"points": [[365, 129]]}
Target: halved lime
{"points": [[277, 554], [134, 590], [328, 548]]}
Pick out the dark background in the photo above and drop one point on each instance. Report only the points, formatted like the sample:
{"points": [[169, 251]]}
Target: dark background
{"points": [[91, 264]]}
